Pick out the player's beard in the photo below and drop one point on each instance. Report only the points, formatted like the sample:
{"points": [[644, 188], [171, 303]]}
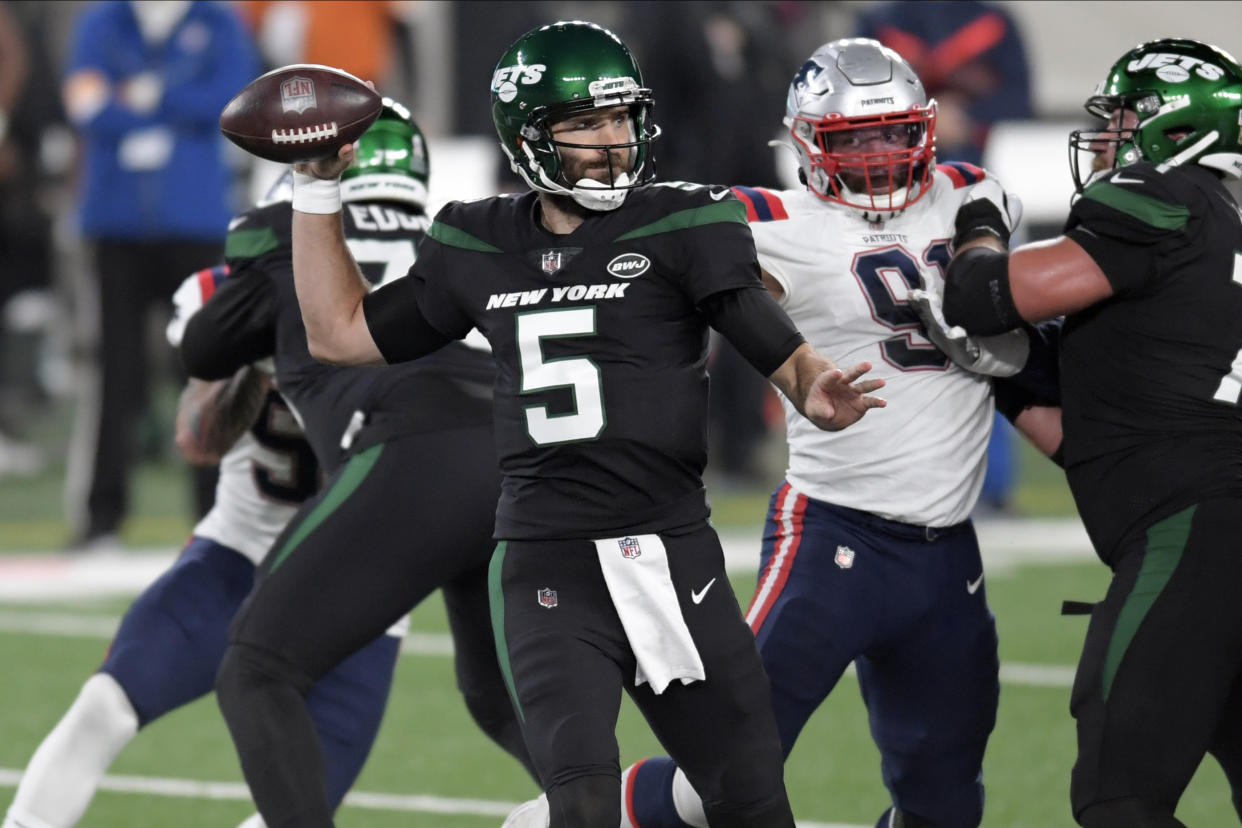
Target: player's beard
{"points": [[881, 182], [597, 168]]}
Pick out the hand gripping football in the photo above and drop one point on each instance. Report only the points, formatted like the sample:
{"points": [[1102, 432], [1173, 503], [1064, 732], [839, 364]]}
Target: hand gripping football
{"points": [[301, 112]]}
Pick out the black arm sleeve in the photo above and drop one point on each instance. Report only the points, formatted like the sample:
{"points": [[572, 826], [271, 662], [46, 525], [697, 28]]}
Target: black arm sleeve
{"points": [[234, 328], [754, 324], [399, 329], [977, 294]]}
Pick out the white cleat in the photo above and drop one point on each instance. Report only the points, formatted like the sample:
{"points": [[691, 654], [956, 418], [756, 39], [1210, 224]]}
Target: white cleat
{"points": [[532, 814]]}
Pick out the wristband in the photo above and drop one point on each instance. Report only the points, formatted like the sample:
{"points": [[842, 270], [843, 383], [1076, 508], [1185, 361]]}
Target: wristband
{"points": [[321, 196]]}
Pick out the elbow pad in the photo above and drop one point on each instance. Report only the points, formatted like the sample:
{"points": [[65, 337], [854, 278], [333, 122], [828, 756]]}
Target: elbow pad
{"points": [[977, 295]]}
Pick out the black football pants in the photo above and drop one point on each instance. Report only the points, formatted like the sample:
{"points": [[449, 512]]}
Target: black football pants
{"points": [[394, 523], [1160, 679], [568, 658]]}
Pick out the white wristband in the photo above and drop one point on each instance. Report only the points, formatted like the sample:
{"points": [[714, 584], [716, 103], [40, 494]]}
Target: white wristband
{"points": [[321, 196]]}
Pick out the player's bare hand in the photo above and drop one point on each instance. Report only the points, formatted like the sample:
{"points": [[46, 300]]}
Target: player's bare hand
{"points": [[839, 398], [331, 167]]}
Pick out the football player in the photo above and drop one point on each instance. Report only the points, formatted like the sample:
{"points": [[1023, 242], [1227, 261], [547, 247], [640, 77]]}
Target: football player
{"points": [[868, 554], [595, 291], [168, 647], [1147, 274], [414, 477]]}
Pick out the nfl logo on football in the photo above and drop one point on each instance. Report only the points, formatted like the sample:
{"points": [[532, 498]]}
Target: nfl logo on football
{"points": [[844, 557], [551, 261], [297, 95], [547, 597], [629, 547]]}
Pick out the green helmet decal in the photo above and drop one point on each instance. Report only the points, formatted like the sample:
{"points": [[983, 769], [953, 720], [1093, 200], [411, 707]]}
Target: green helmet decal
{"points": [[391, 160], [558, 71], [1187, 96]]}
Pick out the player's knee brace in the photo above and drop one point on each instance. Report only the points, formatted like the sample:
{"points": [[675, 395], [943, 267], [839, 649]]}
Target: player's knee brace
{"points": [[586, 800], [1128, 812]]}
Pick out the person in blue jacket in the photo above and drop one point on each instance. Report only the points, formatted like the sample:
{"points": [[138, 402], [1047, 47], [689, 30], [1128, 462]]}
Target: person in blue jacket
{"points": [[144, 86]]}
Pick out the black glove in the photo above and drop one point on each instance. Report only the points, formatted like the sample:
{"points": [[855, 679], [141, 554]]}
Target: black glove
{"points": [[978, 218]]}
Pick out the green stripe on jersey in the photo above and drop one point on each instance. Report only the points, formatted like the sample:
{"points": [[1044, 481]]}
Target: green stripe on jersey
{"points": [[250, 244], [1166, 541], [496, 596], [721, 211], [1146, 209], [355, 471], [446, 234]]}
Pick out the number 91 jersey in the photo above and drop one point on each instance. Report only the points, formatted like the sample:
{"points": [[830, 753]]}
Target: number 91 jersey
{"points": [[846, 282], [269, 471]]}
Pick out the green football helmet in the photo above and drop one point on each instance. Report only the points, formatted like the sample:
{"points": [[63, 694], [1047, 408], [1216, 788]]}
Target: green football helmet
{"points": [[1188, 99], [557, 71], [391, 161]]}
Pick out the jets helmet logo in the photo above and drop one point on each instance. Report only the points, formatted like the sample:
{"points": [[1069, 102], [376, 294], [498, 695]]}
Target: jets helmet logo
{"points": [[506, 79]]}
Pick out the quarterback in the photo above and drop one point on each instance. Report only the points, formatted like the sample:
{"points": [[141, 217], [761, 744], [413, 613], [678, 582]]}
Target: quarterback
{"points": [[596, 290]]}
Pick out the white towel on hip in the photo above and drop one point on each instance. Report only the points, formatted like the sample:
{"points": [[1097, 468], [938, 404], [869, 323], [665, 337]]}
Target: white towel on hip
{"points": [[636, 572]]}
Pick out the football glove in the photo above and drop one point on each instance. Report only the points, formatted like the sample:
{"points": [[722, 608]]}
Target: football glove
{"points": [[988, 210], [1002, 355]]}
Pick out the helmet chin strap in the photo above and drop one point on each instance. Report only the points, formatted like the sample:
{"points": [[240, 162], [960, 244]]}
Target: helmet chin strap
{"points": [[595, 195], [1191, 151]]}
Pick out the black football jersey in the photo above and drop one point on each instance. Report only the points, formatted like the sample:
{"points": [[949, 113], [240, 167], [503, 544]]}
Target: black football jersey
{"points": [[255, 314], [601, 350], [1151, 378]]}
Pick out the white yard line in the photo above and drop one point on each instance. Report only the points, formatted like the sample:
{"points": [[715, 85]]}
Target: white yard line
{"points": [[73, 625], [237, 792], [34, 577]]}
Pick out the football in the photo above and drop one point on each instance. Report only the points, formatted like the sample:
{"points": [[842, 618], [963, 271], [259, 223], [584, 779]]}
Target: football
{"points": [[300, 112]]}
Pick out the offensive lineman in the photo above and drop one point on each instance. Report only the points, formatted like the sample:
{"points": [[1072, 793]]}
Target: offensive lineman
{"points": [[169, 645], [414, 480], [595, 293], [869, 555], [1149, 276]]}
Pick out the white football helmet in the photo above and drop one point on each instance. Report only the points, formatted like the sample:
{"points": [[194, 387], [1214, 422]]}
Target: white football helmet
{"points": [[854, 84]]}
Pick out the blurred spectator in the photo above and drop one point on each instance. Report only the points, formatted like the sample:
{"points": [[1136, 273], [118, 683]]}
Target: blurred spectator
{"points": [[717, 67], [356, 36], [19, 231], [144, 87], [972, 61]]}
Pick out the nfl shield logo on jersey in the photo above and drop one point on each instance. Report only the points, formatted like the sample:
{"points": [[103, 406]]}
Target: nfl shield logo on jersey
{"points": [[845, 557], [297, 95], [551, 261], [547, 597], [629, 547]]}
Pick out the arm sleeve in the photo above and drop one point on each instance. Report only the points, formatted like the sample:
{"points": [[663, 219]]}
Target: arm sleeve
{"points": [[754, 324], [397, 324], [234, 328], [1127, 227]]}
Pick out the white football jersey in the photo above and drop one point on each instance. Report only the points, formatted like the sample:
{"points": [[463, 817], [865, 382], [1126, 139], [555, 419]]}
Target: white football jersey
{"points": [[922, 459], [263, 477]]}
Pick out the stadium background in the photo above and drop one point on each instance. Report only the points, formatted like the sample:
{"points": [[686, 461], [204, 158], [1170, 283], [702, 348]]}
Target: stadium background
{"points": [[431, 767]]}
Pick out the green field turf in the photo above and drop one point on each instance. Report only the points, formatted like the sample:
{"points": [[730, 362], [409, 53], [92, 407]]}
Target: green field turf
{"points": [[428, 747], [438, 771]]}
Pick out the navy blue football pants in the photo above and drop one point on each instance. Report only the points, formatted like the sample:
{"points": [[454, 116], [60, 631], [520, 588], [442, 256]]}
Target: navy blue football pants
{"points": [[907, 605], [172, 638]]}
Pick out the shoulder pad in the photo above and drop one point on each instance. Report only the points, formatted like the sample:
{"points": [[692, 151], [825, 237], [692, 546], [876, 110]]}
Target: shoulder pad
{"points": [[1140, 194], [259, 231], [961, 173], [191, 296], [761, 204]]}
